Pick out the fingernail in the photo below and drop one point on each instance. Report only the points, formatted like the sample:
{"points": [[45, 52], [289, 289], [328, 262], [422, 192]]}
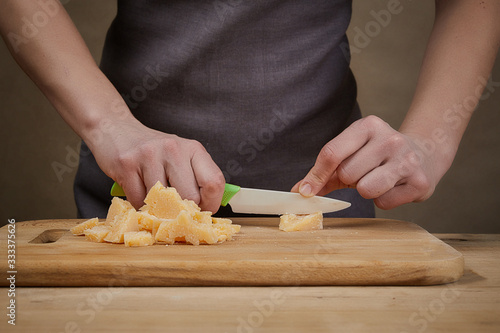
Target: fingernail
{"points": [[306, 190]]}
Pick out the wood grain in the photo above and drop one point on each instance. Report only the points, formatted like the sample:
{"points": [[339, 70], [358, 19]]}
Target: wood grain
{"points": [[346, 252], [467, 305]]}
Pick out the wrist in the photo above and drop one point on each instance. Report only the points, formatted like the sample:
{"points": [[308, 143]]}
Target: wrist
{"points": [[108, 125], [436, 147]]}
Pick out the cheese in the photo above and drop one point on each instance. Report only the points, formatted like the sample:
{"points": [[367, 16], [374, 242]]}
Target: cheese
{"points": [[146, 220], [165, 218], [97, 233], [225, 229], [129, 222], [118, 208], [292, 222], [203, 217], [80, 228], [166, 203], [186, 228], [138, 238], [156, 225]]}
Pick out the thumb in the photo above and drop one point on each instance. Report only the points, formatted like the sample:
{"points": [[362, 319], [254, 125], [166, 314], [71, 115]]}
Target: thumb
{"points": [[331, 184], [322, 178], [315, 180]]}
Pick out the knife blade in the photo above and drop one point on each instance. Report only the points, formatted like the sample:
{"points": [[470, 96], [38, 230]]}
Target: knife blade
{"points": [[256, 201]]}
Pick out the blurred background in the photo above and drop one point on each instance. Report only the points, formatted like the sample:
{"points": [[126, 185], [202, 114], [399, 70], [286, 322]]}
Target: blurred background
{"points": [[35, 140]]}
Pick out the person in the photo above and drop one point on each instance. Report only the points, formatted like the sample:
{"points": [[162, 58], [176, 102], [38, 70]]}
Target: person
{"points": [[198, 93]]}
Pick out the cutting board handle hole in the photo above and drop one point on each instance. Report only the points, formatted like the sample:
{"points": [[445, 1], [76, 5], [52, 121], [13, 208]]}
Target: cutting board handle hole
{"points": [[49, 236]]}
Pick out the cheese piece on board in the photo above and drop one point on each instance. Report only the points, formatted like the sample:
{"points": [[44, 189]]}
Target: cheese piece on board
{"points": [[225, 228], [129, 222], [203, 217], [79, 229], [156, 225], [186, 228], [292, 222], [97, 233], [138, 238], [146, 220], [166, 203], [118, 208]]}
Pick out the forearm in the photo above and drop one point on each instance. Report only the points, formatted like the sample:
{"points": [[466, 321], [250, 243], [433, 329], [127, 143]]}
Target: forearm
{"points": [[457, 64], [58, 61]]}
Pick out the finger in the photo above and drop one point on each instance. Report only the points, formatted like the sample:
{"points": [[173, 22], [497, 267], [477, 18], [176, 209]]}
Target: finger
{"points": [[352, 169], [333, 184], [181, 176], [395, 197], [414, 189], [378, 181], [154, 173], [134, 189], [332, 154], [210, 180]]}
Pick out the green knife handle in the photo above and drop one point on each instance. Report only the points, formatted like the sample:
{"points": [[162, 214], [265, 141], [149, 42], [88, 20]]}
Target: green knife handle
{"points": [[229, 191], [117, 191]]}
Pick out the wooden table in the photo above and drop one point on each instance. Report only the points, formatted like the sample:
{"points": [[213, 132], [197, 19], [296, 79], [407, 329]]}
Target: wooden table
{"points": [[470, 305]]}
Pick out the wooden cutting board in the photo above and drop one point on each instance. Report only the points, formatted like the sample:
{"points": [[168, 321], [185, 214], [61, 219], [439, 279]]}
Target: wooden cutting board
{"points": [[346, 252]]}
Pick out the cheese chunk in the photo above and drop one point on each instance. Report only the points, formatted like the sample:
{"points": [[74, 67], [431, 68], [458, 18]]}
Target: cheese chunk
{"points": [[138, 238], [97, 233], [117, 210], [225, 229], [292, 222], [146, 220], [203, 217], [185, 228], [79, 229], [129, 222], [166, 203]]}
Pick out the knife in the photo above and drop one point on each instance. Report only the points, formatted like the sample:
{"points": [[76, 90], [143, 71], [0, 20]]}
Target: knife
{"points": [[255, 201]]}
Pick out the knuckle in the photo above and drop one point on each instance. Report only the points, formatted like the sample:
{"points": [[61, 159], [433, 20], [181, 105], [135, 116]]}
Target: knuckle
{"points": [[196, 145], [367, 191], [394, 142], [423, 186], [345, 174], [148, 152], [328, 154], [373, 122], [408, 165], [315, 178], [125, 160], [422, 182], [383, 204], [215, 183], [172, 149], [171, 145], [194, 196], [412, 159]]}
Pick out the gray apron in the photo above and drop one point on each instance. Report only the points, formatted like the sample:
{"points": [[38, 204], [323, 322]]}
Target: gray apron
{"points": [[263, 85]]}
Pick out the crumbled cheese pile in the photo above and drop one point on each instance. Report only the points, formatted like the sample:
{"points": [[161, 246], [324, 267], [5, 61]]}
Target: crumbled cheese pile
{"points": [[165, 218]]}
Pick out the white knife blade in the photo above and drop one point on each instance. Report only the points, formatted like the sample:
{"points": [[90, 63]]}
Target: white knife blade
{"points": [[255, 201]]}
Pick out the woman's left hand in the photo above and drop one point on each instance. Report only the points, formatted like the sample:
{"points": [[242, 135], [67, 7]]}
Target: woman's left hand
{"points": [[380, 162]]}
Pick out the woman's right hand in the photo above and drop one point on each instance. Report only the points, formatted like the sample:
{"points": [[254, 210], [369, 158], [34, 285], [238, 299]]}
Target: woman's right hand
{"points": [[137, 157]]}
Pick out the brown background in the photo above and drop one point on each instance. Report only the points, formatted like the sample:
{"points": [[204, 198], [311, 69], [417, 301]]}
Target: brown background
{"points": [[33, 136]]}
